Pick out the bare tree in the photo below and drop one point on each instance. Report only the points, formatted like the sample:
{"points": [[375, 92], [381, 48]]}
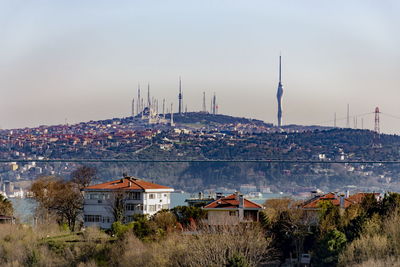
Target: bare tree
{"points": [[83, 176], [58, 197], [116, 204], [6, 207]]}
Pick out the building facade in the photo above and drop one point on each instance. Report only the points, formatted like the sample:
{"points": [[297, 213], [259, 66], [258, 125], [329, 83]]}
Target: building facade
{"points": [[124, 198], [232, 210]]}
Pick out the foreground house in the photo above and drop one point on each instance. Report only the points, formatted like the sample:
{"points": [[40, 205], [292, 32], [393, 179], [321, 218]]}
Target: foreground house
{"points": [[123, 197], [4, 219], [340, 200], [232, 210]]}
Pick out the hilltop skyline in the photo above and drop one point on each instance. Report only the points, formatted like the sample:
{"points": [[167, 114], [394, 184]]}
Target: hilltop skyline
{"points": [[83, 62]]}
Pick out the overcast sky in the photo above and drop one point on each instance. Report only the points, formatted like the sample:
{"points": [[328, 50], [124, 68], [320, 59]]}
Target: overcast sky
{"points": [[82, 60]]}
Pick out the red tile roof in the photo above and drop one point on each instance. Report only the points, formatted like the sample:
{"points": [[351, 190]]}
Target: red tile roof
{"points": [[127, 183], [231, 202], [335, 200], [358, 197]]}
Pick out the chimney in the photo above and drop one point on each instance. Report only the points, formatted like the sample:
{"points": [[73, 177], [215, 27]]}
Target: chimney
{"points": [[241, 207], [241, 201], [130, 184], [219, 195], [347, 193], [342, 197]]}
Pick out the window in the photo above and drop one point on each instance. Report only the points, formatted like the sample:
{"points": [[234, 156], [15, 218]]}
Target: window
{"points": [[92, 218], [159, 195], [106, 219], [152, 208], [97, 196], [130, 206], [134, 195], [232, 213], [151, 196]]}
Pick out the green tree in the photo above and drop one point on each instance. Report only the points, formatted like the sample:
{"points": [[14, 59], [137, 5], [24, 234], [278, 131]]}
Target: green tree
{"points": [[185, 214], [329, 247]]}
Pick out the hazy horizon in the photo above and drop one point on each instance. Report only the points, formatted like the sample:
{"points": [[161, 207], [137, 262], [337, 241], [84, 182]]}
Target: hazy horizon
{"points": [[82, 61]]}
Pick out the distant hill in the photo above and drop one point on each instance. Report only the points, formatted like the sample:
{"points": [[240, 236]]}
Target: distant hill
{"points": [[211, 137], [210, 119]]}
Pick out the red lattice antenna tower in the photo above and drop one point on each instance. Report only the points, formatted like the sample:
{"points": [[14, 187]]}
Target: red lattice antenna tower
{"points": [[377, 126]]}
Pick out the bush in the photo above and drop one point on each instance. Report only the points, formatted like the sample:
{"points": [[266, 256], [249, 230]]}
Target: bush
{"points": [[119, 229]]}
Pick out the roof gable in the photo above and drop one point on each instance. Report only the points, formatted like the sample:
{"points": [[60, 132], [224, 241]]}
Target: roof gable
{"points": [[127, 183], [232, 202], [335, 200]]}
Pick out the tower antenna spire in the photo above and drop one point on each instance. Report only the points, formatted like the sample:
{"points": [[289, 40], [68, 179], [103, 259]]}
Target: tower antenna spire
{"points": [[280, 93], [180, 96], [280, 68]]}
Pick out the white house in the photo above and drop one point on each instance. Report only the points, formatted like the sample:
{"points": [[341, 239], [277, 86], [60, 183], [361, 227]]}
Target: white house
{"points": [[137, 197]]}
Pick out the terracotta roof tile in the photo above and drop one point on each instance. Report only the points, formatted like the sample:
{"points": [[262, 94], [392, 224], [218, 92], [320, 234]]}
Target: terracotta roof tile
{"points": [[231, 202], [127, 183], [358, 197], [335, 200]]}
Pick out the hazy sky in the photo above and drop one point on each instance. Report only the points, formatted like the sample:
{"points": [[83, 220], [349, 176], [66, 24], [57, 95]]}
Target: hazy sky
{"points": [[82, 60]]}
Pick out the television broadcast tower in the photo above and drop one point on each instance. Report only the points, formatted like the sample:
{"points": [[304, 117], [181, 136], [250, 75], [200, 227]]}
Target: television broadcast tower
{"points": [[180, 96], [279, 94]]}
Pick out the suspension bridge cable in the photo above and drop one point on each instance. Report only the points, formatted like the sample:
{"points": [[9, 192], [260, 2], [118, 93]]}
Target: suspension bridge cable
{"points": [[108, 160]]}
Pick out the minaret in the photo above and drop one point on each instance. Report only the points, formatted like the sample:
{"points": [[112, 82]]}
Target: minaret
{"points": [[214, 106], [163, 107], [280, 93], [172, 115], [138, 108], [133, 107], [148, 96], [142, 104], [180, 96]]}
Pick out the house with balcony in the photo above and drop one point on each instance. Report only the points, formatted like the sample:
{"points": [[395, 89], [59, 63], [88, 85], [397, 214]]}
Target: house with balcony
{"points": [[232, 210], [127, 196]]}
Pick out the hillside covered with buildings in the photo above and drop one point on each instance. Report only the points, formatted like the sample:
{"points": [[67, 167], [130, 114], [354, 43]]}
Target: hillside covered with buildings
{"points": [[202, 136]]}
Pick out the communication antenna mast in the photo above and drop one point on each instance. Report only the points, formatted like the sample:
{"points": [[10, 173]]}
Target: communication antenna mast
{"points": [[377, 126], [348, 116], [180, 97], [204, 102]]}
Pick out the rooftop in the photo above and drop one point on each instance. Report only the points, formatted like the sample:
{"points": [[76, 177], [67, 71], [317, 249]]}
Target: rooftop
{"points": [[232, 202], [127, 183], [335, 200]]}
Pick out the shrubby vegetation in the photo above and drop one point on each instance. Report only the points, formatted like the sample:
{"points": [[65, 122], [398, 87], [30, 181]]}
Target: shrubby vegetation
{"points": [[6, 207], [155, 241], [366, 234]]}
